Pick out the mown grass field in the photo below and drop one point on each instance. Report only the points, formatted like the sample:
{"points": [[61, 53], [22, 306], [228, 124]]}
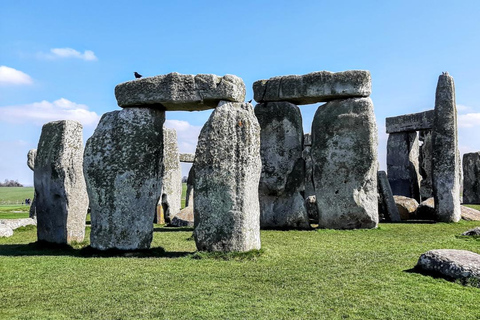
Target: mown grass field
{"points": [[11, 199], [323, 274]]}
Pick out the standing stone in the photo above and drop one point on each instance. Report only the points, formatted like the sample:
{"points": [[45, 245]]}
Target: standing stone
{"points": [[344, 154], [307, 157], [425, 161], [227, 173], [471, 177], [402, 164], [446, 173], [386, 195], [190, 183], [61, 199], [32, 154], [123, 167], [283, 169], [171, 199]]}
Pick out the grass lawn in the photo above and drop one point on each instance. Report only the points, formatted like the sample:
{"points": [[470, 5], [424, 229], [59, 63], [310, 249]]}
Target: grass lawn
{"points": [[324, 274], [11, 195], [474, 206]]}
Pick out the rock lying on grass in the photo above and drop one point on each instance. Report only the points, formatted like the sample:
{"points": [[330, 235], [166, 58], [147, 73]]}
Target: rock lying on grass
{"points": [[17, 223], [472, 232], [184, 218], [452, 264], [5, 231], [406, 207], [426, 210]]}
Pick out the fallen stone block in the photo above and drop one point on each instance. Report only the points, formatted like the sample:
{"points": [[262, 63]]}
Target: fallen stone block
{"points": [[184, 218], [17, 223], [406, 207], [472, 232], [426, 210], [410, 122], [5, 231], [321, 86], [180, 92]]}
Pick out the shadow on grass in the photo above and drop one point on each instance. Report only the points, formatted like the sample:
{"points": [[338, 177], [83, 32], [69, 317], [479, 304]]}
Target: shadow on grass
{"points": [[173, 229], [41, 248], [469, 282]]}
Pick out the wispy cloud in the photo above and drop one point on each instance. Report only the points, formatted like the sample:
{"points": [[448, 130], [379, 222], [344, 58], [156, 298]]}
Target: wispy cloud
{"points": [[42, 112], [187, 134], [464, 108], [11, 76], [64, 53], [469, 120]]}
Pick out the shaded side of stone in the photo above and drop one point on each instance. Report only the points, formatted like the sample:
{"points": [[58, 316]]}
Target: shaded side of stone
{"points": [[314, 87], [283, 168], [123, 167], [446, 173], [388, 202], [425, 164], [402, 164], [190, 183], [61, 200], [227, 172], [344, 155], [471, 178], [410, 122], [172, 175]]}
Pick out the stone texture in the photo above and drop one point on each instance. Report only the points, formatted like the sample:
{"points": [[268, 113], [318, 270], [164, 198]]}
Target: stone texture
{"points": [[410, 122], [283, 168], [471, 177], [307, 158], [425, 164], [446, 168], [187, 157], [406, 207], [5, 231], [312, 210], [402, 164], [31, 158], [314, 87], [123, 167], [452, 264], [171, 199], [388, 205], [184, 218], [180, 92], [426, 210], [472, 232], [17, 223], [190, 183], [307, 140], [61, 200], [227, 172], [344, 155], [469, 214]]}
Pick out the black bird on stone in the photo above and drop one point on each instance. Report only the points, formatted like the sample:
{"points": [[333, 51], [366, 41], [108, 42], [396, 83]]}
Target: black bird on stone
{"points": [[137, 75]]}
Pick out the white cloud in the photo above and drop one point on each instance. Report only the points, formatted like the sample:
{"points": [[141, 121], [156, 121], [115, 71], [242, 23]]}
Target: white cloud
{"points": [[187, 135], [12, 76], [61, 53], [42, 112], [461, 107], [469, 120]]}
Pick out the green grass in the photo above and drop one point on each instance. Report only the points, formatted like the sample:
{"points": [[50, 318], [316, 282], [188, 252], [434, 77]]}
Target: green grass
{"points": [[325, 274], [184, 193], [473, 206], [15, 194]]}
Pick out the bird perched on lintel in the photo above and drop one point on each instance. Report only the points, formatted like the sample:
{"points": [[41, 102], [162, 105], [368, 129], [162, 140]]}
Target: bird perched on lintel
{"points": [[137, 75]]}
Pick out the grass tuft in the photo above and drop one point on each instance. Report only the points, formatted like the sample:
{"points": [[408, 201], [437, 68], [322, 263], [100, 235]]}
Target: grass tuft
{"points": [[251, 255]]}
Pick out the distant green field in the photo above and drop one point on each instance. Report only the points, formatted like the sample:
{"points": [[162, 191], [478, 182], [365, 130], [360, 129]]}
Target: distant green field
{"points": [[15, 195], [184, 193]]}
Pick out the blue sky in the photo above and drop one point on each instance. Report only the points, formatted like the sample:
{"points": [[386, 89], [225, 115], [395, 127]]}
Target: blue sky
{"points": [[62, 59]]}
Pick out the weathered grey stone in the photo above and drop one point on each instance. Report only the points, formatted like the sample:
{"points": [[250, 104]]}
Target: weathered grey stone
{"points": [[344, 155], [469, 214], [425, 164], [33, 210], [190, 183], [31, 158], [426, 210], [388, 202], [402, 164], [472, 232], [187, 157], [123, 167], [181, 92], [406, 207], [307, 140], [312, 210], [184, 218], [307, 157], [61, 199], [227, 173], [452, 264], [471, 177], [410, 122], [5, 231], [171, 199], [17, 223], [314, 87], [446, 169], [283, 168]]}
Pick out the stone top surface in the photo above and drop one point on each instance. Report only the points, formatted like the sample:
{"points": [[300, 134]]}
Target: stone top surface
{"points": [[452, 263], [410, 122], [180, 92], [320, 86]]}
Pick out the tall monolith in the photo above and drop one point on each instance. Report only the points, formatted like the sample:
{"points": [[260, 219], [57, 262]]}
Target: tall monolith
{"points": [[471, 177]]}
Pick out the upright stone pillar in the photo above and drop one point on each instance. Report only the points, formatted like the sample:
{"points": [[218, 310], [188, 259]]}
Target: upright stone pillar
{"points": [[402, 164], [344, 154], [425, 160], [32, 154], [227, 173], [123, 166], [61, 199], [471, 178], [283, 168], [446, 173]]}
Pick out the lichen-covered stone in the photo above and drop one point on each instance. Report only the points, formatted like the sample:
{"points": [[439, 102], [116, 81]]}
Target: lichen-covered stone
{"points": [[227, 172], [31, 158], [283, 168], [180, 92], [471, 177], [406, 207], [172, 175], [446, 161], [123, 167], [402, 164], [344, 155], [425, 164], [314, 87], [61, 200], [390, 210], [184, 218], [410, 122]]}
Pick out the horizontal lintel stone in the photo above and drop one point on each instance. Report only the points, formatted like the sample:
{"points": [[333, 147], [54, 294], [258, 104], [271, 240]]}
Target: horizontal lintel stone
{"points": [[187, 157], [410, 122]]}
